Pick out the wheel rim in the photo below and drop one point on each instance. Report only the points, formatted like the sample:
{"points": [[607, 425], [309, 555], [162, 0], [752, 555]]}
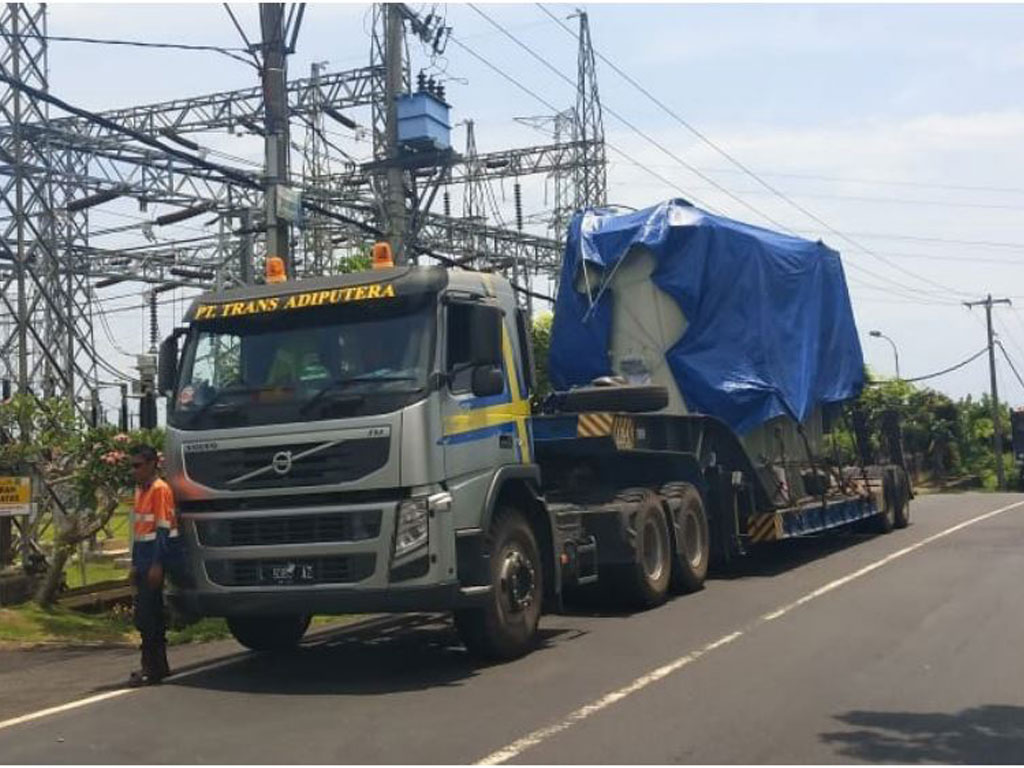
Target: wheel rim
{"points": [[518, 580], [693, 540], [653, 559]]}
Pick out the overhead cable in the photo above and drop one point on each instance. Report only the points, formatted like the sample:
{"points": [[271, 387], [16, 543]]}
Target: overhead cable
{"points": [[781, 195]]}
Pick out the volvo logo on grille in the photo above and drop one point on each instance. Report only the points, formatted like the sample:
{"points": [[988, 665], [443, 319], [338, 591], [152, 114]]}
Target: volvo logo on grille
{"points": [[282, 462]]}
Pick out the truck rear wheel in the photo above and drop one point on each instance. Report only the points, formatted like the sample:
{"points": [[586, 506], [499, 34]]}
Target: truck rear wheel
{"points": [[644, 582], [885, 520], [692, 539], [268, 633], [902, 497], [506, 626]]}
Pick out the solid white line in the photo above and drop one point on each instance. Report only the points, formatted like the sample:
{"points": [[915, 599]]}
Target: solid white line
{"points": [[64, 707], [216, 664], [519, 746]]}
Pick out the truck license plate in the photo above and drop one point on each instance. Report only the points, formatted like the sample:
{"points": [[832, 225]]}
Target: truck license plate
{"points": [[289, 573]]}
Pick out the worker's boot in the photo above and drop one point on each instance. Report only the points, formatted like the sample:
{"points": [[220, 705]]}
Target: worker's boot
{"points": [[162, 668], [152, 672]]}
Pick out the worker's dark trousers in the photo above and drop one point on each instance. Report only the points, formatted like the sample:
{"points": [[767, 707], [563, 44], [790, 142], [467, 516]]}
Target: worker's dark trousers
{"points": [[149, 620]]}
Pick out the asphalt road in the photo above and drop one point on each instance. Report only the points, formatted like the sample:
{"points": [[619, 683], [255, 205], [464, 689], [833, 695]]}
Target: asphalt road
{"points": [[899, 648]]}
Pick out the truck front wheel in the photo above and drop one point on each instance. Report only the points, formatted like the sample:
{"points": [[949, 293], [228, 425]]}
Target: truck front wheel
{"points": [[506, 626], [268, 633]]}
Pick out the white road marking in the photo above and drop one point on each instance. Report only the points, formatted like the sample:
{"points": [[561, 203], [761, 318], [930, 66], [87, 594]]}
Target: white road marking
{"points": [[65, 707], [519, 746], [222, 662]]}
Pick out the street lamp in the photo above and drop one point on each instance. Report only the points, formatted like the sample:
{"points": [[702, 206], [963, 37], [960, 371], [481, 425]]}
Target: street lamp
{"points": [[895, 353]]}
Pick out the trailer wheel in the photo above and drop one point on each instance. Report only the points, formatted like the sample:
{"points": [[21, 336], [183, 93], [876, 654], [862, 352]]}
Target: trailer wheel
{"points": [[901, 517], [506, 627], [885, 520], [644, 582], [692, 538], [268, 633]]}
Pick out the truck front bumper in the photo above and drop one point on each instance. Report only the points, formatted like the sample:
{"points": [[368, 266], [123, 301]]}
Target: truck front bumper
{"points": [[435, 597]]}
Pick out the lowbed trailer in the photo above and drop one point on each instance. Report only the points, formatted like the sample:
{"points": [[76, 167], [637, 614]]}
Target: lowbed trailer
{"points": [[365, 442], [632, 482]]}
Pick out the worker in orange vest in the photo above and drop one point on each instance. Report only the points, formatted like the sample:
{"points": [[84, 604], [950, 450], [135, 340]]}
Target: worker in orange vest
{"points": [[156, 549]]}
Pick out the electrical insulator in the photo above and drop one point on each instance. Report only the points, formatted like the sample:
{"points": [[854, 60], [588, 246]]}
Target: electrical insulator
{"points": [[421, 81], [447, 204], [154, 330], [431, 84], [440, 91], [517, 193]]}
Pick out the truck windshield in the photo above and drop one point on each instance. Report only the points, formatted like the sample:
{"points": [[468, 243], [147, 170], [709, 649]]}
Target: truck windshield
{"points": [[320, 363]]}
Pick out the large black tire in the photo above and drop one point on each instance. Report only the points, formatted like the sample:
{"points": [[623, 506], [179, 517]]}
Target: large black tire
{"points": [[885, 521], [630, 399], [691, 536], [506, 626], [901, 515], [268, 633], [644, 582]]}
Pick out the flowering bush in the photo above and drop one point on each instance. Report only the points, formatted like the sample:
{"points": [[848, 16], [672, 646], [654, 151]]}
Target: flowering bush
{"points": [[81, 471]]}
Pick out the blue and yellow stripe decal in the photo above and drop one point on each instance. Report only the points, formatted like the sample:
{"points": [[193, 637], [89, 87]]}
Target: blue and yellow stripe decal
{"points": [[507, 413]]}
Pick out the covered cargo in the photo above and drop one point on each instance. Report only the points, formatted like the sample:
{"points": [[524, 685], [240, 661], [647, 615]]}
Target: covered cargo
{"points": [[751, 324]]}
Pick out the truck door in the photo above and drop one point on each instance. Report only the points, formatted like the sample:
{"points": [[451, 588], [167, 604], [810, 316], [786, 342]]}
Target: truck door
{"points": [[485, 428]]}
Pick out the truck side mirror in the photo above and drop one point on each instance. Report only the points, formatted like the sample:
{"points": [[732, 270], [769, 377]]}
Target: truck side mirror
{"points": [[167, 365], [485, 336], [487, 381]]}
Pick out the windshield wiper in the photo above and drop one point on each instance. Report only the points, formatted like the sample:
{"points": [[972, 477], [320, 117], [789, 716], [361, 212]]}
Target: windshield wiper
{"points": [[225, 407], [336, 384]]}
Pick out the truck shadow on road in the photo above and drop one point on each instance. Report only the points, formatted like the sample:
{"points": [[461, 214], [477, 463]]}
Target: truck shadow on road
{"points": [[781, 556], [414, 652], [988, 734]]}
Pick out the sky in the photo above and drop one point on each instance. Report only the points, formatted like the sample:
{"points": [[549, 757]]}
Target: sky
{"points": [[892, 132]]}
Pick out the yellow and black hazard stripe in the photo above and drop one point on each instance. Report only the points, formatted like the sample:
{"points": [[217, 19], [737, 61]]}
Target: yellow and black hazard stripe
{"points": [[762, 528], [594, 424]]}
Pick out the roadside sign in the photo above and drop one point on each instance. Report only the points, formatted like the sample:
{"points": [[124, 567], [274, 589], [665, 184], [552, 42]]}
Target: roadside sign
{"points": [[15, 496], [289, 204]]}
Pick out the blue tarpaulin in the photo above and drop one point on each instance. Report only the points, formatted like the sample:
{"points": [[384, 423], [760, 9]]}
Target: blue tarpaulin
{"points": [[770, 326]]}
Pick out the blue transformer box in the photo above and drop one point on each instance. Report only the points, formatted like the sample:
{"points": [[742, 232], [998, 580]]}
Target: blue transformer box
{"points": [[423, 121]]}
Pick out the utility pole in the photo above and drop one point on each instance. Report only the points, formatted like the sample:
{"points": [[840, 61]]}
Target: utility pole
{"points": [[275, 97], [997, 424], [393, 82]]}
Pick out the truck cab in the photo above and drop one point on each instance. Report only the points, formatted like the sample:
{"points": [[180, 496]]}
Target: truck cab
{"points": [[345, 444]]}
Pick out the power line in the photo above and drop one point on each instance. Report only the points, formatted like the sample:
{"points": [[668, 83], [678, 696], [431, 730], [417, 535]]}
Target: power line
{"points": [[889, 200], [630, 124], [886, 279], [525, 89], [878, 182], [1009, 362], [781, 195], [952, 368], [146, 44], [925, 239]]}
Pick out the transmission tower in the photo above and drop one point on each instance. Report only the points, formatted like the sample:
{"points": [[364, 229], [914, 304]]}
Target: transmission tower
{"points": [[49, 347], [317, 245], [590, 171]]}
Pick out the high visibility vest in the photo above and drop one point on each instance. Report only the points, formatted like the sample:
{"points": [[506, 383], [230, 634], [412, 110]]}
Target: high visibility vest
{"points": [[154, 509]]}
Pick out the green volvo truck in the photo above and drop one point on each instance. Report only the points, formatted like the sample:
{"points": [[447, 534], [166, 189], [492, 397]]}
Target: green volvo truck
{"points": [[366, 442]]}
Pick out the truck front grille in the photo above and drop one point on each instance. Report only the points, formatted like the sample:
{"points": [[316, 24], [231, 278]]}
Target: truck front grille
{"points": [[299, 572], [290, 529], [341, 462]]}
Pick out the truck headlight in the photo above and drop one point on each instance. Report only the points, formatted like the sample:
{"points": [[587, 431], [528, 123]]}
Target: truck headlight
{"points": [[412, 531]]}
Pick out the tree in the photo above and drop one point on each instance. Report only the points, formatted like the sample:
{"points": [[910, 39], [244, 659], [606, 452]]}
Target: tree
{"points": [[80, 473], [540, 335]]}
